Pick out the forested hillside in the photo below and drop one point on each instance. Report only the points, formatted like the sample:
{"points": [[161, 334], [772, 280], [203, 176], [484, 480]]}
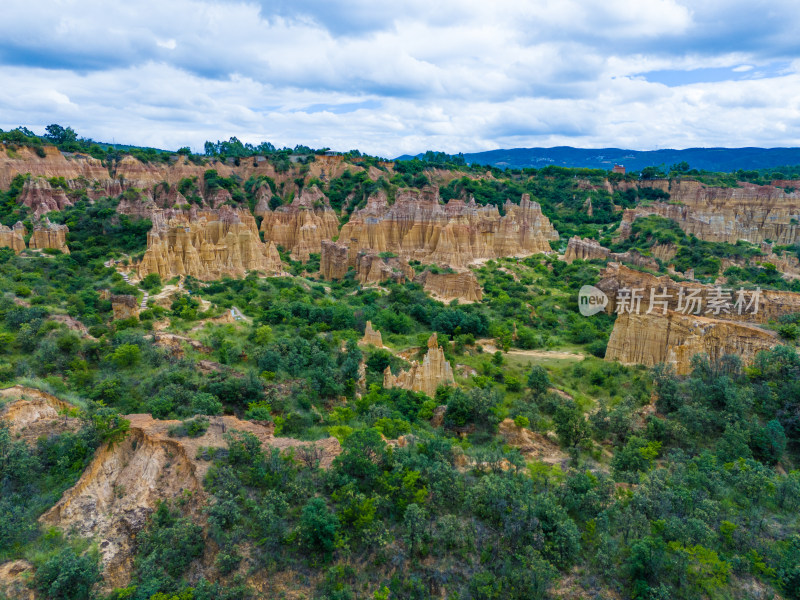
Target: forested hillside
{"points": [[264, 373]]}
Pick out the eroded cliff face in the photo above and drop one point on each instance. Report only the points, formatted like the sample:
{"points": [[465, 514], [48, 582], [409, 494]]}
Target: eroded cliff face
{"points": [[371, 269], [13, 237], [207, 244], [38, 195], [586, 249], [750, 212], [54, 164], [124, 307], [451, 286], [423, 377], [157, 181], [124, 482], [675, 338], [418, 227], [49, 235], [771, 304], [301, 226], [30, 414], [333, 263]]}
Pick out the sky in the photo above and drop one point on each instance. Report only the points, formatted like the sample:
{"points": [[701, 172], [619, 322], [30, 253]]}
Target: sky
{"points": [[399, 77]]}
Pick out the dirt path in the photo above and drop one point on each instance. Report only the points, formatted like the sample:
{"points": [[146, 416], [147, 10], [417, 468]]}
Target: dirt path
{"points": [[488, 346]]}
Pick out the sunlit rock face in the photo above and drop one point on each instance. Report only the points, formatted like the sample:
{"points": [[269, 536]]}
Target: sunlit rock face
{"points": [[749, 212], [451, 286], [586, 249], [207, 244], [372, 269], [333, 263], [49, 235], [41, 197], [301, 226], [372, 337], [675, 338], [425, 377], [771, 304], [418, 227], [646, 334], [13, 237], [124, 306]]}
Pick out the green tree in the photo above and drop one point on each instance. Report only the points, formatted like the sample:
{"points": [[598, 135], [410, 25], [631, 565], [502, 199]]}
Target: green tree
{"points": [[571, 426], [68, 576], [415, 523], [318, 527], [538, 381], [126, 355]]}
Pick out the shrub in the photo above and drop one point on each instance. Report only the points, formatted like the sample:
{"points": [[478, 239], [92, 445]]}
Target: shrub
{"points": [[68, 575], [318, 526]]}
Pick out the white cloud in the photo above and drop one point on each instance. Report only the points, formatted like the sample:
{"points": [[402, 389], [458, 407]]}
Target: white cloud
{"points": [[450, 75]]}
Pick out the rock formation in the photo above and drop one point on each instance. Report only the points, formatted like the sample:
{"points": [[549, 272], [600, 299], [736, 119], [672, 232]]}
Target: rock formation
{"points": [[586, 249], [425, 377], [333, 262], [450, 286], [771, 304], [675, 338], [207, 244], [14, 578], [372, 336], [418, 227], [13, 237], [137, 204], [30, 414], [124, 307], [49, 235], [263, 196], [532, 445], [121, 487], [38, 195], [371, 268], [749, 212], [301, 226]]}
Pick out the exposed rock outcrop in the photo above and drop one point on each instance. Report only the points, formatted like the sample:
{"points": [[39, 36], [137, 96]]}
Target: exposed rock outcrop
{"points": [[13, 580], [301, 226], [38, 195], [121, 487], [124, 307], [423, 377], [13, 237], [207, 244], [333, 262], [749, 212], [372, 336], [49, 235], [418, 227], [371, 269], [31, 413], [586, 249], [771, 303], [675, 338], [532, 445], [263, 196], [174, 343], [450, 286]]}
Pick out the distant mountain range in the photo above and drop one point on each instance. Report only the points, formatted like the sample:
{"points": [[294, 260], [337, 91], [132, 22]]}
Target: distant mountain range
{"points": [[709, 159]]}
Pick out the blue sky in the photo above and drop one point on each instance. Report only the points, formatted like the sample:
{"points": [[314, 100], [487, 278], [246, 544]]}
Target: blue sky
{"points": [[403, 77]]}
